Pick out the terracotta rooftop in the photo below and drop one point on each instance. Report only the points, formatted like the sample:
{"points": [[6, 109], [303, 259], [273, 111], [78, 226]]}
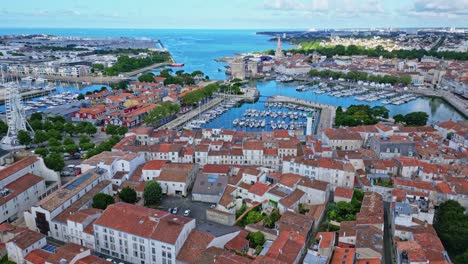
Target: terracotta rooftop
{"points": [[26, 238], [144, 222], [343, 256], [291, 199], [19, 186], [154, 164], [344, 192], [37, 256], [194, 246], [259, 188], [286, 247], [326, 239], [17, 166]]}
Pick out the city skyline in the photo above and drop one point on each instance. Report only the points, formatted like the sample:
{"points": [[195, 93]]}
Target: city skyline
{"points": [[243, 14]]}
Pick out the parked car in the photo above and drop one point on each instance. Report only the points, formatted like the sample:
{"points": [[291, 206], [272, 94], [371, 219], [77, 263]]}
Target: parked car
{"points": [[212, 206], [187, 213], [175, 210]]}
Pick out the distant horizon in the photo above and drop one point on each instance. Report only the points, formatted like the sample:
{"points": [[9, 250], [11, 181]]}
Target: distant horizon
{"points": [[235, 14], [250, 29]]}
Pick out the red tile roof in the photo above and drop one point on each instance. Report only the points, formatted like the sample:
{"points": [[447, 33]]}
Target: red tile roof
{"points": [[154, 164], [27, 238], [194, 246], [344, 192], [326, 239], [142, 221], [17, 166], [286, 247], [259, 188], [290, 179], [343, 256], [239, 243], [216, 168], [291, 199], [37, 256]]}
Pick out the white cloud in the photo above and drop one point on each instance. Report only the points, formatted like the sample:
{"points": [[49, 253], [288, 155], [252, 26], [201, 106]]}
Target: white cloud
{"points": [[297, 5], [439, 8]]}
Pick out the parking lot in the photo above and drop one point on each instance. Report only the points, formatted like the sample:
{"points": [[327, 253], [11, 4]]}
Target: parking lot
{"points": [[198, 209]]}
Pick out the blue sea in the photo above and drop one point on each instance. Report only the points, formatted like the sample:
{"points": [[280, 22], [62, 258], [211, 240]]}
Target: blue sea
{"points": [[198, 49]]}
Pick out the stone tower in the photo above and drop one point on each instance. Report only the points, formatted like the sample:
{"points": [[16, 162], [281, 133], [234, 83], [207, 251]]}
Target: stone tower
{"points": [[279, 50]]}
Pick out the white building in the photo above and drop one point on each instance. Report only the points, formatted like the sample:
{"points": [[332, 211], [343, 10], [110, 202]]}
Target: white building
{"points": [[22, 184], [49, 216], [114, 162], [22, 244], [336, 172], [142, 235]]}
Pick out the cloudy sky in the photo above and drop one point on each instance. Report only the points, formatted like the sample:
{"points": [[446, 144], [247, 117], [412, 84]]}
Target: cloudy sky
{"points": [[233, 14]]}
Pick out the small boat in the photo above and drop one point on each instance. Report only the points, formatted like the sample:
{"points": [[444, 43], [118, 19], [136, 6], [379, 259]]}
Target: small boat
{"points": [[176, 65]]}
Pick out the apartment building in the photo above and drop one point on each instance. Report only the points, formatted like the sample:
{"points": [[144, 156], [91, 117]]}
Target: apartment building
{"points": [[22, 184], [49, 216], [142, 235]]}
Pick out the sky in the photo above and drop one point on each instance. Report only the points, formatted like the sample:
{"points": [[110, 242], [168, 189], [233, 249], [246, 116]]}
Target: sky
{"points": [[233, 14]]}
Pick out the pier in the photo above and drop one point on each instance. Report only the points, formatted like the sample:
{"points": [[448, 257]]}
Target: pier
{"points": [[327, 112], [190, 115], [28, 95]]}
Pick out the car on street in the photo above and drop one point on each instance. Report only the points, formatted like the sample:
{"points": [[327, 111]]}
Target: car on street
{"points": [[175, 210], [187, 213], [212, 206]]}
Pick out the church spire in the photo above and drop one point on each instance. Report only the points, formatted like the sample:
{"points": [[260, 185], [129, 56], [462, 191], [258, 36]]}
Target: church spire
{"points": [[279, 50]]}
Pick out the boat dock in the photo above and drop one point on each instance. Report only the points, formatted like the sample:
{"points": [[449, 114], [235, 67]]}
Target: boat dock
{"points": [[327, 112], [28, 95], [192, 114]]}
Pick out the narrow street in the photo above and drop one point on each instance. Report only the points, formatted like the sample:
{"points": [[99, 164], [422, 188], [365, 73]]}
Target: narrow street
{"points": [[388, 247]]}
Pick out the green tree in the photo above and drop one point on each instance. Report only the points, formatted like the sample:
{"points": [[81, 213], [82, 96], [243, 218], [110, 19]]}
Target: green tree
{"points": [[256, 239], [451, 224], [87, 145], [122, 130], [102, 200], [152, 193], [80, 97], [69, 128], [84, 139], [68, 141], [90, 129], [147, 77], [128, 195], [52, 133], [416, 119], [24, 138], [40, 137], [197, 73], [3, 127], [399, 118], [41, 151], [36, 116], [70, 148], [53, 142], [461, 259], [54, 161], [254, 217], [111, 129]]}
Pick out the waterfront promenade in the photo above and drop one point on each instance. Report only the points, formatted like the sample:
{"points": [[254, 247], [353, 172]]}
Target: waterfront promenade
{"points": [[188, 116], [327, 112], [96, 79]]}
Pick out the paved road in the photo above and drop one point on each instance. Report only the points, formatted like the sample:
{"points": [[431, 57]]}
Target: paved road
{"points": [[198, 209], [388, 245]]}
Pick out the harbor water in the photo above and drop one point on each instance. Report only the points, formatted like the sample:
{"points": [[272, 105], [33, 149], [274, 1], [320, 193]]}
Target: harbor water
{"points": [[198, 49]]}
